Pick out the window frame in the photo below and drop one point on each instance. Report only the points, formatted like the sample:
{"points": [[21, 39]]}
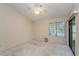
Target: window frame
{"points": [[56, 35]]}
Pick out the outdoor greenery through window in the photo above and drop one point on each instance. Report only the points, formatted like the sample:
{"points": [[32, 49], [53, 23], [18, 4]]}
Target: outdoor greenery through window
{"points": [[56, 29]]}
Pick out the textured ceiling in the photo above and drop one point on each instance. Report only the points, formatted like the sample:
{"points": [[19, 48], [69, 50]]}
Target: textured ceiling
{"points": [[52, 10]]}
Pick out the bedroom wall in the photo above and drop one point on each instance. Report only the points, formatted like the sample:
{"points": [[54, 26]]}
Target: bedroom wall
{"points": [[40, 31], [77, 32], [77, 36], [15, 29]]}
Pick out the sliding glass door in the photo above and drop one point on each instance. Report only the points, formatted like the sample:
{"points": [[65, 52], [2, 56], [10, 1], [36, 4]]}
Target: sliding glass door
{"points": [[72, 34]]}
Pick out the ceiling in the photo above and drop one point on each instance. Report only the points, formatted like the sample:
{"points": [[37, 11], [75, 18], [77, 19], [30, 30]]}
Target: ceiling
{"points": [[51, 10]]}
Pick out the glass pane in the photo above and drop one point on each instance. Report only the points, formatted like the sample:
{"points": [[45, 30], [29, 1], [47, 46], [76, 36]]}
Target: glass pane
{"points": [[74, 31], [60, 29], [52, 29]]}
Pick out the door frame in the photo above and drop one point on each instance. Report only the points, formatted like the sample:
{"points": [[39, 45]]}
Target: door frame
{"points": [[70, 33]]}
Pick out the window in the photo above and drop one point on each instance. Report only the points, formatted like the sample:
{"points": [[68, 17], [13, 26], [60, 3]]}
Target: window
{"points": [[56, 29], [60, 29], [52, 29]]}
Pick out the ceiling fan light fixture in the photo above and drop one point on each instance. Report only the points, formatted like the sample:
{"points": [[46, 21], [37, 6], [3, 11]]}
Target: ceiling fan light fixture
{"points": [[37, 12]]}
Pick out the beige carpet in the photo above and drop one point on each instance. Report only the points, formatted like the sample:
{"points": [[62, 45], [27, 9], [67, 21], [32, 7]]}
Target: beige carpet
{"points": [[39, 49]]}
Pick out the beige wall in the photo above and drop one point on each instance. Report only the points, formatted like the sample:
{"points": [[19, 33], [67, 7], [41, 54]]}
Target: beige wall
{"points": [[77, 36], [77, 32], [14, 28], [40, 31]]}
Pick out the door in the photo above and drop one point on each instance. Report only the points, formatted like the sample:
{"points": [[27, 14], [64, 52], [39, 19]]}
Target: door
{"points": [[72, 34]]}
